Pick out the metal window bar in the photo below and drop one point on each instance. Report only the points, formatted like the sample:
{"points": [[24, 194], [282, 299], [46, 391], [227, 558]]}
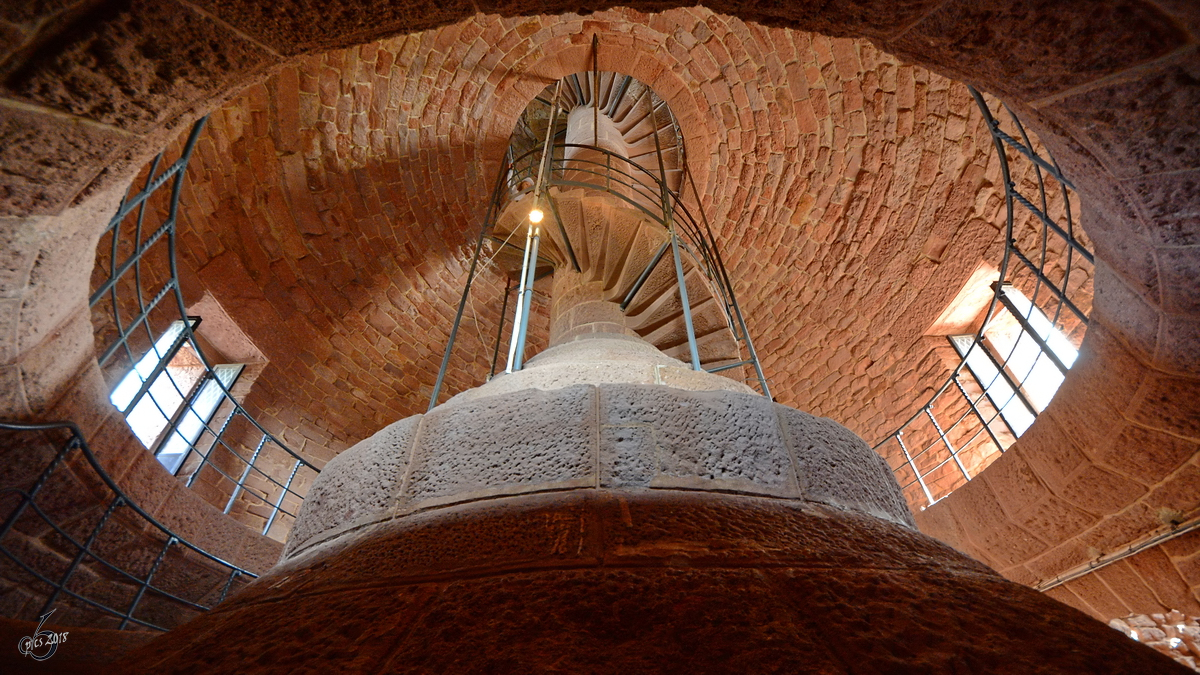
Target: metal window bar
{"points": [[1027, 328], [159, 367], [1015, 385], [64, 460], [1074, 253]]}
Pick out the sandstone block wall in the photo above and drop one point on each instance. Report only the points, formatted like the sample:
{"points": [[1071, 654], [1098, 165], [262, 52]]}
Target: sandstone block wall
{"points": [[592, 436]]}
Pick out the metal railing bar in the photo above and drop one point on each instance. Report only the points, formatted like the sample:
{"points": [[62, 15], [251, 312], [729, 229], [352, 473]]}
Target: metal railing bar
{"points": [[562, 229], [493, 210], [245, 472], [729, 366], [84, 551], [137, 598], [953, 452], [979, 415], [645, 275], [1028, 328], [42, 478], [913, 465], [234, 574], [1059, 293], [500, 329], [1053, 226], [1030, 154], [142, 196], [213, 446], [103, 561], [279, 501], [82, 446], [130, 261], [142, 317], [104, 608]]}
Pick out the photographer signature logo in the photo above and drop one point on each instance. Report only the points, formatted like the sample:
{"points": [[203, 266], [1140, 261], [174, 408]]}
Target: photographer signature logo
{"points": [[43, 643]]}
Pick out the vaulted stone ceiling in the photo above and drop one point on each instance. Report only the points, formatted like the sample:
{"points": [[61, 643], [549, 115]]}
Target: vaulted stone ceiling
{"points": [[331, 208]]}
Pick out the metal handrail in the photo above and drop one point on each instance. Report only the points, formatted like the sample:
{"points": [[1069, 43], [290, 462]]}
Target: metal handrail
{"points": [[120, 498], [538, 169], [118, 270], [996, 304], [642, 181]]}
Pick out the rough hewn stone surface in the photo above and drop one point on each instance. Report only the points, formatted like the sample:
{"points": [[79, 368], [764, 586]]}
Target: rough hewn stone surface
{"points": [[135, 64], [357, 484], [590, 432], [49, 159], [633, 581], [526, 439], [717, 440], [838, 468]]}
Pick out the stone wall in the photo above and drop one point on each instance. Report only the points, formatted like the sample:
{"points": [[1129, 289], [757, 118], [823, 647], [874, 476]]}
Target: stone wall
{"points": [[362, 173]]}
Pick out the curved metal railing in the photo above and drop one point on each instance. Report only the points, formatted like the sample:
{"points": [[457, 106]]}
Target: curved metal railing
{"points": [[642, 189], [963, 428], [66, 549], [237, 458]]}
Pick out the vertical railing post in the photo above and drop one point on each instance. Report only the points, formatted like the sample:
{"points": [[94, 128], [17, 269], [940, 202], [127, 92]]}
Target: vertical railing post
{"points": [[500, 329], [81, 554], [279, 500], [962, 390], [12, 519], [669, 222], [212, 446], [683, 298], [245, 473], [493, 208], [942, 435], [146, 583], [913, 465], [525, 297], [233, 574]]}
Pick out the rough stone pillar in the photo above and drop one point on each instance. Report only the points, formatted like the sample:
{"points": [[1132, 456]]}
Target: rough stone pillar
{"points": [[585, 126], [580, 307]]}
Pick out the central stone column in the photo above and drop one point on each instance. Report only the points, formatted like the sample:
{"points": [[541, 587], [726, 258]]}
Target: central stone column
{"points": [[579, 307]]}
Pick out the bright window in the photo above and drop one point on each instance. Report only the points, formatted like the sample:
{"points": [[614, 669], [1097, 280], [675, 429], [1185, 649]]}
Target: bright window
{"points": [[1018, 376], [204, 404], [168, 392], [998, 390]]}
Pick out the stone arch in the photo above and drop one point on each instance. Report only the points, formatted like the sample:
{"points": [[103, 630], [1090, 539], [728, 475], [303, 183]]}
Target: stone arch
{"points": [[1111, 89]]}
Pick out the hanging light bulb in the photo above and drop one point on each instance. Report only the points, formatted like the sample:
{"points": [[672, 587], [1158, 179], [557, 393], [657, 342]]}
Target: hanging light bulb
{"points": [[535, 216]]}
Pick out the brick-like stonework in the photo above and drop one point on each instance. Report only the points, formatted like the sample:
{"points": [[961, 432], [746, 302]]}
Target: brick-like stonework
{"points": [[336, 202]]}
